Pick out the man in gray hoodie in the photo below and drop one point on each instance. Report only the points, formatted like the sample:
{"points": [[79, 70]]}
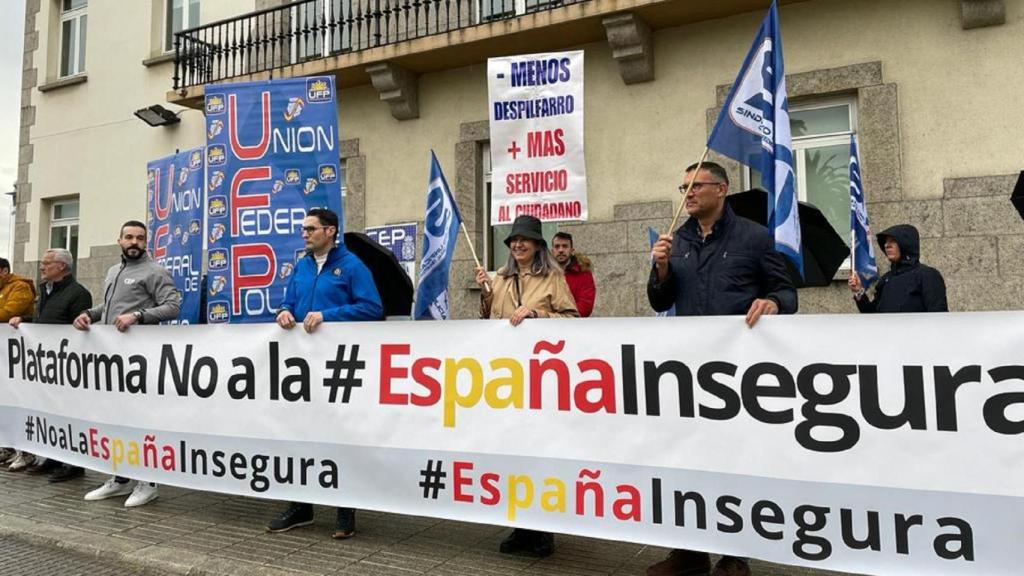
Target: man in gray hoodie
{"points": [[136, 291]]}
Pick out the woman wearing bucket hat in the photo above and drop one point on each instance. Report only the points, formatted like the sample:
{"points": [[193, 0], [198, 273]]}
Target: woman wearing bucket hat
{"points": [[530, 285]]}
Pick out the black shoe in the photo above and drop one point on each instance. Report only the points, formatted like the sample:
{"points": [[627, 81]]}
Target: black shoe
{"points": [[543, 544], [44, 467], [66, 472], [345, 524], [296, 515]]}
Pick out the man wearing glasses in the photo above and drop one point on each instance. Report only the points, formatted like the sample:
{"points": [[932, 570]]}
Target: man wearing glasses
{"points": [[716, 263], [329, 284]]}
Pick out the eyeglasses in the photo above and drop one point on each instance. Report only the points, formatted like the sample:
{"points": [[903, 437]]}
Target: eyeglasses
{"points": [[311, 229], [698, 185]]}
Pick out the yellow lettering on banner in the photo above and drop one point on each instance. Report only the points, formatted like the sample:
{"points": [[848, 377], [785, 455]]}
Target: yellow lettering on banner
{"points": [[514, 382], [553, 499], [514, 501], [133, 453], [117, 453], [451, 388]]}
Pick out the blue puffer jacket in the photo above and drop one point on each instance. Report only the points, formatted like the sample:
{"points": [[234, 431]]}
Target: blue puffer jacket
{"points": [[343, 290]]}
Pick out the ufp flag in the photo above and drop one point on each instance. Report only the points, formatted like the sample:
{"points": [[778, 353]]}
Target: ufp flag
{"points": [[863, 250], [753, 128], [440, 232]]}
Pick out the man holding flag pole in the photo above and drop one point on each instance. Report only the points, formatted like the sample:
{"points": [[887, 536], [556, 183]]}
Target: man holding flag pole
{"points": [[718, 263]]}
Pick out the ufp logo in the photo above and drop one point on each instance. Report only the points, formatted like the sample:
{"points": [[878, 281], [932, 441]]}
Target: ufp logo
{"points": [[218, 259], [318, 89], [215, 155], [328, 173], [218, 206], [294, 108], [217, 312], [292, 176], [215, 104], [195, 159]]}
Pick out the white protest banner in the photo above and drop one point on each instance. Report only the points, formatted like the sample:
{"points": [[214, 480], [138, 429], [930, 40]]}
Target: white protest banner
{"points": [[536, 122], [881, 444]]}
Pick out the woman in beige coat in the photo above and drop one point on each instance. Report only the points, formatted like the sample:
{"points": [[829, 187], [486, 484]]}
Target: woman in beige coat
{"points": [[530, 285]]}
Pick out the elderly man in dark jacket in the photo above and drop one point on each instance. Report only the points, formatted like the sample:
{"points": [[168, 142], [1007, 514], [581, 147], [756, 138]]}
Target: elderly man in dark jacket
{"points": [[909, 286], [61, 299], [717, 263]]}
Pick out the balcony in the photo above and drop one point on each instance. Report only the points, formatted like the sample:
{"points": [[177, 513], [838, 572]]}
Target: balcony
{"points": [[347, 37]]}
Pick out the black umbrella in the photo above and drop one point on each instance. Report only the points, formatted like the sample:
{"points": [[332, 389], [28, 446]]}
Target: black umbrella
{"points": [[1017, 196], [393, 283], [824, 251]]}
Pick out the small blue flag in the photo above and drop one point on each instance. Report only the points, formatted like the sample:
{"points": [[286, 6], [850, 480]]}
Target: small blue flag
{"points": [[863, 250], [440, 232], [652, 235], [753, 129]]}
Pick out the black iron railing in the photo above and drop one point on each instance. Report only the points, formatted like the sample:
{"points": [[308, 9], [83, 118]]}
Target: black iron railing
{"points": [[312, 29]]}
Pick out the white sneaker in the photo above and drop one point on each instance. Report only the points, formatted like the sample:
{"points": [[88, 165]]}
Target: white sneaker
{"points": [[109, 489], [144, 493], [21, 461]]}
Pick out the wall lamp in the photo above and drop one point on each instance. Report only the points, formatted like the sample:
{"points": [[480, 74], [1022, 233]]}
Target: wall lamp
{"points": [[156, 115]]}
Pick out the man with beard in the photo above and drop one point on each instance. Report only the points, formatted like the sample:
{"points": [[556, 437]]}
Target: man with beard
{"points": [[136, 291], [577, 272]]}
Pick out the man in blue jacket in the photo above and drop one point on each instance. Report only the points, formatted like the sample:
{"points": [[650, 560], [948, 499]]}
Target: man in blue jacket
{"points": [[329, 284], [716, 264]]}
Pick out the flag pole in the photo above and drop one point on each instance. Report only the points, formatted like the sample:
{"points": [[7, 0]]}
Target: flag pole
{"points": [[696, 170], [472, 250]]}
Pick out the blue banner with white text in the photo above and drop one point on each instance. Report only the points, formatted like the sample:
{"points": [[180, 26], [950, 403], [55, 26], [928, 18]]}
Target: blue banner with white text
{"points": [[272, 156], [174, 216]]}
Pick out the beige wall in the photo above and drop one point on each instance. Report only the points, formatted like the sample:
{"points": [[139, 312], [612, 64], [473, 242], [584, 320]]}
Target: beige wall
{"points": [[85, 139]]}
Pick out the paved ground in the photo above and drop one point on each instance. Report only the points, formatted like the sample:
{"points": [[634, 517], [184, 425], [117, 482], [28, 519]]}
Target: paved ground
{"points": [[202, 533], [21, 558]]}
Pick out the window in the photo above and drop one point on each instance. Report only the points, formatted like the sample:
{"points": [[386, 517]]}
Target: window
{"points": [[179, 15], [499, 9], [64, 226], [495, 253], [321, 29], [73, 21], [821, 148]]}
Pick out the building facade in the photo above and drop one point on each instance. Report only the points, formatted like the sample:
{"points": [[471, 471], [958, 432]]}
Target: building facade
{"points": [[922, 83]]}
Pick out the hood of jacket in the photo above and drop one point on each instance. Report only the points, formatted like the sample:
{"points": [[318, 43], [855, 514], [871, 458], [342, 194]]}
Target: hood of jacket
{"points": [[579, 263], [907, 238], [14, 278]]}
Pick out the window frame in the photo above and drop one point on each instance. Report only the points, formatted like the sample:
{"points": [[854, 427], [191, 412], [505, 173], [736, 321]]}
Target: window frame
{"points": [[75, 64], [332, 33], [186, 14], [68, 224]]}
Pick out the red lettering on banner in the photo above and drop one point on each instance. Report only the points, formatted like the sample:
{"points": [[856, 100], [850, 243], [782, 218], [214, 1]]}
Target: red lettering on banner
{"points": [[161, 231], [242, 282], [240, 202], [545, 143], [255, 151], [389, 373], [162, 211], [460, 481]]}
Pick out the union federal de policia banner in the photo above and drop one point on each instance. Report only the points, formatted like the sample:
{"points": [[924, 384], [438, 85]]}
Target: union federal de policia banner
{"points": [[175, 197], [271, 156], [900, 455], [536, 122]]}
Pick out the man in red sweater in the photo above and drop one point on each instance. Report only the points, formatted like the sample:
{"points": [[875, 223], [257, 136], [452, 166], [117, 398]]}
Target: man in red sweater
{"points": [[577, 272]]}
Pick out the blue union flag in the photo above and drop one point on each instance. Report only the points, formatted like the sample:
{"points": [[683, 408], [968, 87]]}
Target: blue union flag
{"points": [[863, 249], [753, 128], [440, 232]]}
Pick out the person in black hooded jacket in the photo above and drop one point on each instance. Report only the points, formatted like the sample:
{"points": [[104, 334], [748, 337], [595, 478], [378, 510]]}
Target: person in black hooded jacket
{"points": [[909, 286]]}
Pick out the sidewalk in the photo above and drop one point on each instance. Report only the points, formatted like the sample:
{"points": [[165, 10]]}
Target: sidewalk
{"points": [[203, 533]]}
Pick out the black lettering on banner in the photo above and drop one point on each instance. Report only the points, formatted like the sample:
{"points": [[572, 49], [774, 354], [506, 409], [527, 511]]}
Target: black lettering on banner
{"points": [[752, 390], [847, 425], [914, 408], [725, 505], [730, 399], [629, 379], [996, 407], [700, 508], [242, 384], [684, 383], [766, 512], [946, 386], [804, 536], [656, 500], [964, 536], [873, 538], [903, 526]]}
